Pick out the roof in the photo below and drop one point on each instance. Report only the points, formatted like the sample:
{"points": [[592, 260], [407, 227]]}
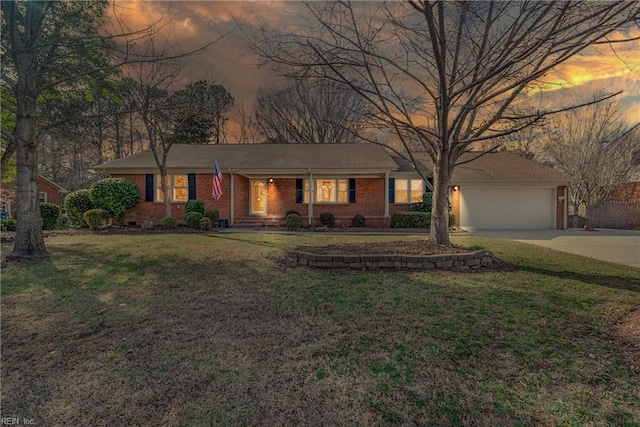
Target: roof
{"points": [[261, 157], [505, 166], [362, 158], [60, 188]]}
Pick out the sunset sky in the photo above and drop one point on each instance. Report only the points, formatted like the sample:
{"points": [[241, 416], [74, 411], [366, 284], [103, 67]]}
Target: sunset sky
{"points": [[231, 63]]}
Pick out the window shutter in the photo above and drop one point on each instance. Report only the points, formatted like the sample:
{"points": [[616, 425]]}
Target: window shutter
{"points": [[392, 190], [426, 189], [299, 191], [352, 190], [191, 178], [148, 188]]}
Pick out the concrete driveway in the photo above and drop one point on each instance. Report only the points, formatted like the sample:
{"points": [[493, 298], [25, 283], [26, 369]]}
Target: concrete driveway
{"points": [[618, 246]]}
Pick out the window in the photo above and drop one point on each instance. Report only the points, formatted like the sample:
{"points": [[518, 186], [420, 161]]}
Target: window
{"points": [[408, 190], [178, 186], [43, 197], [328, 190]]}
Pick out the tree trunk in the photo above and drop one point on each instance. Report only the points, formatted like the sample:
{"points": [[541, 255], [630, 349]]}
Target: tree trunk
{"points": [[439, 231], [576, 215], [29, 241]]}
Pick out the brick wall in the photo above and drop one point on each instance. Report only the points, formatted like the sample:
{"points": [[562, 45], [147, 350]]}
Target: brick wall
{"points": [[561, 209], [281, 198]]}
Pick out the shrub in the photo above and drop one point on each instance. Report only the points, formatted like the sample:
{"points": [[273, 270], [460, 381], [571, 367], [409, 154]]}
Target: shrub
{"points": [[213, 215], [75, 205], [96, 218], [114, 195], [50, 214], [452, 220], [168, 223], [358, 221], [194, 205], [8, 224], [476, 248], [293, 222], [411, 220], [424, 206], [292, 212], [193, 220], [327, 219], [205, 223]]}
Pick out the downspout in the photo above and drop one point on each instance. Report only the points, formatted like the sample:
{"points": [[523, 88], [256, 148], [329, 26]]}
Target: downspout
{"points": [[311, 195], [386, 194], [233, 198]]}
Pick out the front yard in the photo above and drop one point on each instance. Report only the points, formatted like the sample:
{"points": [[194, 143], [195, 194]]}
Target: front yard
{"points": [[197, 329]]}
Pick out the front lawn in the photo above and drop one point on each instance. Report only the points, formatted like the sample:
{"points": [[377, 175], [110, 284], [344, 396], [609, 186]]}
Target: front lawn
{"points": [[199, 329]]}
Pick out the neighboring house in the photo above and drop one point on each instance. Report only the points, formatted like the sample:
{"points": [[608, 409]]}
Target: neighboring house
{"points": [[48, 191], [262, 182]]}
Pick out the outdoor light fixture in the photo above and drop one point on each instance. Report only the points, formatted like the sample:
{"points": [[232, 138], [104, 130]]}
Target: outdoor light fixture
{"points": [[270, 180], [455, 188]]}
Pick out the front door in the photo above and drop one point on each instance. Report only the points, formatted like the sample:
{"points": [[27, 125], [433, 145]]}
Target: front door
{"points": [[258, 196]]}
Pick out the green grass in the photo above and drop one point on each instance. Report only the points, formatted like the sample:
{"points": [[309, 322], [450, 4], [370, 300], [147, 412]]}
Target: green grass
{"points": [[200, 329]]}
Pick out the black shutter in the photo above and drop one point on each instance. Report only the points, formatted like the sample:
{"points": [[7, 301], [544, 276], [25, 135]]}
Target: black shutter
{"points": [[299, 192], [191, 178], [392, 190], [148, 188], [352, 190], [426, 189]]}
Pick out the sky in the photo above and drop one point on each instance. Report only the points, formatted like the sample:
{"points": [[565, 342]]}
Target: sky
{"points": [[231, 63]]}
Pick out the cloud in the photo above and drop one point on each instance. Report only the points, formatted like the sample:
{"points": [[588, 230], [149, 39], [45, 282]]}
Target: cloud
{"points": [[230, 62]]}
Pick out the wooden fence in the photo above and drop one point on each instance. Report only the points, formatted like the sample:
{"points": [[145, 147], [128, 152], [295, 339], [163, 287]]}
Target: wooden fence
{"points": [[615, 215]]}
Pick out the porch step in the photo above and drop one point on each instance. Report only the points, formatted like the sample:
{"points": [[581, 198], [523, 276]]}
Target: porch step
{"points": [[255, 222]]}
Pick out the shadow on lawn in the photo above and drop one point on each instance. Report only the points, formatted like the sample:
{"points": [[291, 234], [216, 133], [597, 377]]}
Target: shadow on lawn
{"points": [[615, 282]]}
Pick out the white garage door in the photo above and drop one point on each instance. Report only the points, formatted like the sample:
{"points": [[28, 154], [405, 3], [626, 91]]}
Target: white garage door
{"points": [[506, 208]]}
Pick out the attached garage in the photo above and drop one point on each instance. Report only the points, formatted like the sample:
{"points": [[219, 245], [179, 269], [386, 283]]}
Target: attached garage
{"points": [[507, 207]]}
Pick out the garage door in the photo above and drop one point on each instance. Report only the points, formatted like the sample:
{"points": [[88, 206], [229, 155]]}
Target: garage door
{"points": [[506, 208]]}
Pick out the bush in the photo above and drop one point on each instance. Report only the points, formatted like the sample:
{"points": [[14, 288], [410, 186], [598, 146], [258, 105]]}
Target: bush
{"points": [[194, 205], [327, 219], [205, 223], [114, 195], [358, 221], [168, 223], [75, 205], [292, 212], [426, 204], [293, 222], [452, 220], [411, 220], [213, 215], [193, 220], [50, 214], [96, 218], [8, 224]]}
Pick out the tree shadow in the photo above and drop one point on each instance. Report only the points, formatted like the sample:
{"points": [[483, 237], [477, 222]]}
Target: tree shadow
{"points": [[628, 283]]}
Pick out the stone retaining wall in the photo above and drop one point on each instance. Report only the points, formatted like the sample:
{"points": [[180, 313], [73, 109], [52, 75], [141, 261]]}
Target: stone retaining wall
{"points": [[468, 261]]}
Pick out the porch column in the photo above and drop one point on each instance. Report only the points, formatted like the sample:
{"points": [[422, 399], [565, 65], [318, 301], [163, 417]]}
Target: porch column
{"points": [[233, 198], [311, 195], [386, 194]]}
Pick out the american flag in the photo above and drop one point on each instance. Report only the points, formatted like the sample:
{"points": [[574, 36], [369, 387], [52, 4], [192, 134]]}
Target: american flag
{"points": [[217, 182]]}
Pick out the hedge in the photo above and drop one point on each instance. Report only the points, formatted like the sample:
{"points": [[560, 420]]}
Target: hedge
{"points": [[411, 220]]}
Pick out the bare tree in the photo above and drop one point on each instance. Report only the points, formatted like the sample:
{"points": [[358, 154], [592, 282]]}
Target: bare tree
{"points": [[443, 75], [595, 145], [249, 129], [311, 112]]}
